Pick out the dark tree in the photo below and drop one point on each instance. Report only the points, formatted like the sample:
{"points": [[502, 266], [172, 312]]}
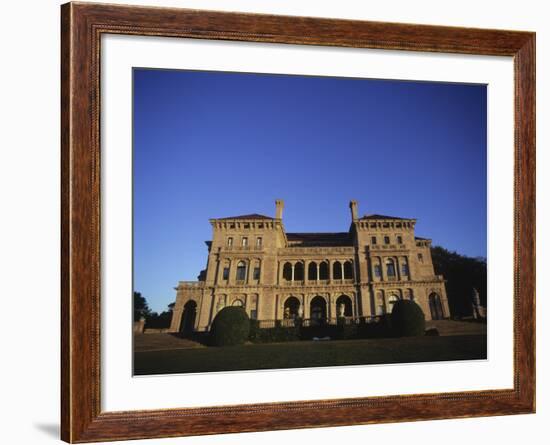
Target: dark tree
{"points": [[462, 274], [141, 308], [160, 321]]}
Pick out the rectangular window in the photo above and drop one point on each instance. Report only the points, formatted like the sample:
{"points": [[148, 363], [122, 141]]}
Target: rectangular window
{"points": [[226, 273], [256, 275], [229, 242], [259, 241], [420, 257], [377, 271], [405, 269], [399, 239], [253, 314], [373, 240], [244, 241], [386, 240]]}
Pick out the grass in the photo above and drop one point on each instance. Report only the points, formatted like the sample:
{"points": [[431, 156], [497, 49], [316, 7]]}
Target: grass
{"points": [[305, 354]]}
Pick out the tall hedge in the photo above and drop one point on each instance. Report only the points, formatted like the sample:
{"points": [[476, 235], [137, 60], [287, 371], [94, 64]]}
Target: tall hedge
{"points": [[230, 327], [407, 319]]}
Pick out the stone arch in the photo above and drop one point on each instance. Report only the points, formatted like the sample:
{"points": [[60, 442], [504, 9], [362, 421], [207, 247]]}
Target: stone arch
{"points": [[392, 299], [189, 316], [344, 306], [436, 308], [291, 308], [318, 310], [237, 302]]}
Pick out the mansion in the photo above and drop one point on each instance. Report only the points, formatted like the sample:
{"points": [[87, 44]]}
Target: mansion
{"points": [[277, 275]]}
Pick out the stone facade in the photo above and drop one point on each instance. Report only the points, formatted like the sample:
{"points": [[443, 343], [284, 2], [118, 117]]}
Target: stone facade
{"points": [[253, 262]]}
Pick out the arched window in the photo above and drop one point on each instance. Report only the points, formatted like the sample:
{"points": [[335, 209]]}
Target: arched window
{"points": [[377, 269], [299, 272], [404, 267], [323, 271], [241, 271], [238, 303], [287, 272], [390, 268], [337, 270], [348, 270], [312, 271], [225, 272]]}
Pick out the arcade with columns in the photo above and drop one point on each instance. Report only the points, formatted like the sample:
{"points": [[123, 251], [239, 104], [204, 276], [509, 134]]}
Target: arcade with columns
{"points": [[317, 277]]}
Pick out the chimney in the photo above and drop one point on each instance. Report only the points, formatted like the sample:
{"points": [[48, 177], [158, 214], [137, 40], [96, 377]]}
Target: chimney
{"points": [[279, 204], [353, 208]]}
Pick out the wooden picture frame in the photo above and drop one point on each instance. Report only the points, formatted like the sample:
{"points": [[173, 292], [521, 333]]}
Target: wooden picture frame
{"points": [[82, 25]]}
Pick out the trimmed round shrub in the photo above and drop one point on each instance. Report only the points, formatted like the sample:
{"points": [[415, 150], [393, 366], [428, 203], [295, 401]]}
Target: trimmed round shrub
{"points": [[407, 319], [230, 327]]}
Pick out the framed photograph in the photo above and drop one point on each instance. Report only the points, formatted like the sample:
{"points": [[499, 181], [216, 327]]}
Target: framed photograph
{"points": [[274, 222]]}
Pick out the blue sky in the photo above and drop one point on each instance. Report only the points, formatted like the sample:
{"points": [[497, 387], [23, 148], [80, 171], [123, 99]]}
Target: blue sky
{"points": [[214, 144]]}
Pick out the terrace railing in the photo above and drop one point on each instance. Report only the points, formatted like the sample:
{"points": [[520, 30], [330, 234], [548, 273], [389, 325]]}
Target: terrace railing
{"points": [[307, 322]]}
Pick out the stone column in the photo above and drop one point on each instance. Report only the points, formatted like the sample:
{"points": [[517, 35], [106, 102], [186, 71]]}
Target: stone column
{"points": [[306, 271], [249, 271], [307, 313], [409, 267], [332, 307], [261, 266], [342, 269], [221, 266], [318, 269], [292, 274], [330, 274], [398, 267], [277, 307], [232, 271]]}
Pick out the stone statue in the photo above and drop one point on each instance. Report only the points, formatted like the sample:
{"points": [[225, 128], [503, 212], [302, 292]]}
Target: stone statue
{"points": [[478, 311]]}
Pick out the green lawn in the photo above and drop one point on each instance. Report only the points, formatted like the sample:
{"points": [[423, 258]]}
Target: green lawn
{"points": [[310, 354]]}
